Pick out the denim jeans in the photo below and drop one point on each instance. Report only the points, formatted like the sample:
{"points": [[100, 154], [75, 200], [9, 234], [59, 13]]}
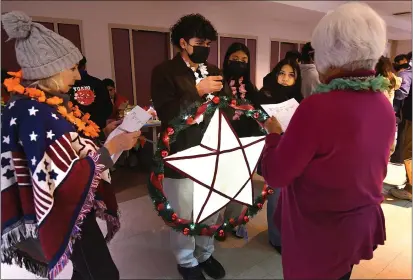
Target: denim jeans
{"points": [[189, 251], [274, 234]]}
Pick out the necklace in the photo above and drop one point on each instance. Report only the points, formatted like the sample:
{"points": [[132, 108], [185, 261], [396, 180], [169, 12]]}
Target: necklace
{"points": [[378, 83], [73, 115]]}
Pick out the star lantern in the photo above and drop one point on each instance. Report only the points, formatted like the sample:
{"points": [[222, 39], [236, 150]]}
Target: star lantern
{"points": [[221, 167]]}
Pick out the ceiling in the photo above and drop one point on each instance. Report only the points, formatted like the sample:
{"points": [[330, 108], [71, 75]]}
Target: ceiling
{"points": [[310, 12]]}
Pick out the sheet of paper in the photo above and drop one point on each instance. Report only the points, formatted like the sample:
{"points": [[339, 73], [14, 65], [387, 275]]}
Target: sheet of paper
{"points": [[133, 121], [282, 111]]}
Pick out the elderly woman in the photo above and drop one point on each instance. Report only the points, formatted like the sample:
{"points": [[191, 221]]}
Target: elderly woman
{"points": [[332, 159], [51, 165]]}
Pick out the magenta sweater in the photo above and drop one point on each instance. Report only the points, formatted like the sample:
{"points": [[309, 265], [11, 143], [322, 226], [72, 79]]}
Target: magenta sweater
{"points": [[330, 164]]}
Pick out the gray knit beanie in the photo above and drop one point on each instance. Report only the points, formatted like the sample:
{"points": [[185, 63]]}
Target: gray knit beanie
{"points": [[40, 52]]}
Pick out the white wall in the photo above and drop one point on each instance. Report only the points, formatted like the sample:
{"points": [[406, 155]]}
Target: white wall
{"points": [[403, 47], [235, 18]]}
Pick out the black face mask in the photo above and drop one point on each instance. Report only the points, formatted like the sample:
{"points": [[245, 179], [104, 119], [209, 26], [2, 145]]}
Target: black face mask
{"points": [[237, 68], [199, 55]]}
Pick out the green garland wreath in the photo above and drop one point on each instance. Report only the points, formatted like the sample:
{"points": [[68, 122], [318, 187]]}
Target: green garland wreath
{"points": [[155, 188]]}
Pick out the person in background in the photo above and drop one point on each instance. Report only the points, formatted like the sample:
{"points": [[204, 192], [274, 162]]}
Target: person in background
{"points": [[119, 102], [332, 159], [384, 68], [237, 69], [51, 191], [282, 84], [403, 99], [293, 55], [91, 96], [404, 70], [309, 73], [175, 85]]}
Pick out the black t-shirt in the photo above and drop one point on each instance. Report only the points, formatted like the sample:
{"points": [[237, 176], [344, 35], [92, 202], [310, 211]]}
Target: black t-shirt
{"points": [[92, 97]]}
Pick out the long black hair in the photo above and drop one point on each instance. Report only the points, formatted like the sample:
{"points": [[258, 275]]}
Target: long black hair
{"points": [[271, 87], [232, 49]]}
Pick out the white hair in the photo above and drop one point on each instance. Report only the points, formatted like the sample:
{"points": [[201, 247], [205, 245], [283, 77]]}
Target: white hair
{"points": [[351, 37]]}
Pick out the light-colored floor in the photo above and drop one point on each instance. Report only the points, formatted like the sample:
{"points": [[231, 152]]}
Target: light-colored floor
{"points": [[140, 249]]}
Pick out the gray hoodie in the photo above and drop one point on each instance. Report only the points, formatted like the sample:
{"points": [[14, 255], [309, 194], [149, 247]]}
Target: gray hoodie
{"points": [[310, 79]]}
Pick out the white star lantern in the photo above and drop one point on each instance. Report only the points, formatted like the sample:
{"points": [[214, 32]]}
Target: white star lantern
{"points": [[221, 167]]}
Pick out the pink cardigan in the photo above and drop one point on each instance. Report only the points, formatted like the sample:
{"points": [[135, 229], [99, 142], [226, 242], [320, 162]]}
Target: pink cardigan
{"points": [[330, 164]]}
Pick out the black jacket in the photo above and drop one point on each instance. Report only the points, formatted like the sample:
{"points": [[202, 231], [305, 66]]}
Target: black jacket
{"points": [[92, 97], [173, 91]]}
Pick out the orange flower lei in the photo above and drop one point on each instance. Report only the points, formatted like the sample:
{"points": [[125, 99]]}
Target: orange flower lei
{"points": [[82, 122]]}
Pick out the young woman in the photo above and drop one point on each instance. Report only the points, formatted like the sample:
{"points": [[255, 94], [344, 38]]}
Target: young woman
{"points": [[332, 159], [384, 68], [281, 84], [236, 69], [51, 191]]}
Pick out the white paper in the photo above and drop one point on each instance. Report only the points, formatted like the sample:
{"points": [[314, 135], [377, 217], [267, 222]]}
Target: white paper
{"points": [[231, 168], [282, 111], [133, 121]]}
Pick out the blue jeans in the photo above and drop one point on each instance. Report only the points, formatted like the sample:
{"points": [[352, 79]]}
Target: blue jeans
{"points": [[274, 234]]}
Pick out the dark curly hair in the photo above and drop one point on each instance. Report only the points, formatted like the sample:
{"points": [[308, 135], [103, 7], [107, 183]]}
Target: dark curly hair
{"points": [[192, 26]]}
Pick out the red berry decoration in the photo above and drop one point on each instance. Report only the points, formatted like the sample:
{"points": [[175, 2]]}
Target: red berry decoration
{"points": [[160, 206], [189, 120], [186, 231], [165, 138], [221, 233], [204, 231], [246, 219], [174, 217], [215, 99], [270, 191], [232, 221], [170, 131], [259, 205], [234, 102], [161, 177], [164, 153], [256, 115]]}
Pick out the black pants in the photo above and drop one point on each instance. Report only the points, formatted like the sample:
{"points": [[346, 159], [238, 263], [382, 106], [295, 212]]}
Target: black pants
{"points": [[91, 257]]}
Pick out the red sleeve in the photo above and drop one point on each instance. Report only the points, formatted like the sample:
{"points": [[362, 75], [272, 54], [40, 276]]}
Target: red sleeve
{"points": [[285, 157]]}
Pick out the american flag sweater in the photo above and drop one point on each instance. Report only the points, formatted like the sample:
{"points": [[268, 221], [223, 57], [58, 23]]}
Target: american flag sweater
{"points": [[50, 180]]}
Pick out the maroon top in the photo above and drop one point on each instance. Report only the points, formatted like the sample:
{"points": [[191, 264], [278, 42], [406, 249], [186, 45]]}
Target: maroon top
{"points": [[331, 163]]}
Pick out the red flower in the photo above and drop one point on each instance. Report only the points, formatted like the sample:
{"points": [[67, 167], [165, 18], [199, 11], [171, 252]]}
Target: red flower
{"points": [[246, 219], [165, 138], [259, 205], [215, 99], [170, 131], [221, 233], [186, 231], [164, 153], [234, 102], [256, 115], [174, 217]]}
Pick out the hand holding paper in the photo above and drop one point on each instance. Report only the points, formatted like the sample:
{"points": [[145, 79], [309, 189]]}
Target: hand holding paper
{"points": [[132, 122], [283, 112]]}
